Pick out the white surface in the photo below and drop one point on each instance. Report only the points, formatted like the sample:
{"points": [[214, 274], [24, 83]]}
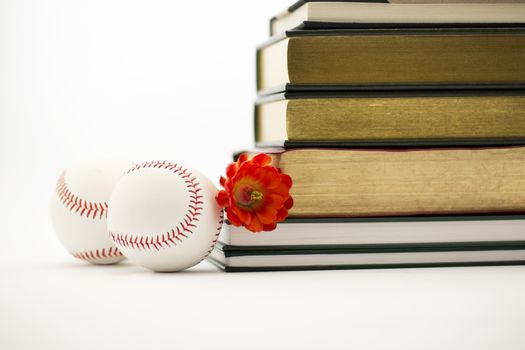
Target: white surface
{"points": [[131, 73], [63, 304], [164, 216]]}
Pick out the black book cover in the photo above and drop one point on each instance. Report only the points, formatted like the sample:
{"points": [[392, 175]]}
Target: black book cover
{"points": [[231, 251]]}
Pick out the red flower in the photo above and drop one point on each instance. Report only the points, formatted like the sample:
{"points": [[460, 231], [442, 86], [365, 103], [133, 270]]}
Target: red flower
{"points": [[256, 195]]}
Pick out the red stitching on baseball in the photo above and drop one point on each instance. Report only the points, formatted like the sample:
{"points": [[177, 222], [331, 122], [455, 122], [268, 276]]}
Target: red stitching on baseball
{"points": [[221, 221], [185, 226], [93, 255], [78, 205]]}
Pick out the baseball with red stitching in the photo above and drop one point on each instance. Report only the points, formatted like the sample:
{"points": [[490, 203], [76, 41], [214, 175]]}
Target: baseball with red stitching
{"points": [[163, 216], [79, 209]]}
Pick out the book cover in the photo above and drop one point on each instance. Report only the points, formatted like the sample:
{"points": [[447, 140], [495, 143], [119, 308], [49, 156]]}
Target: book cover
{"points": [[391, 118], [404, 182], [385, 59], [377, 13]]}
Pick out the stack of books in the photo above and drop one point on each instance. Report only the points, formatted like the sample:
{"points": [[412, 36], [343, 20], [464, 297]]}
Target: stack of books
{"points": [[402, 125]]}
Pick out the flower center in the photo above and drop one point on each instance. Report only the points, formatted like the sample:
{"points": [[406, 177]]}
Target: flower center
{"points": [[247, 196], [256, 196]]}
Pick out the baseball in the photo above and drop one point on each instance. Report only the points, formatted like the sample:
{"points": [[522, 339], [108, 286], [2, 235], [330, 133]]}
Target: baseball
{"points": [[163, 216], [79, 208]]}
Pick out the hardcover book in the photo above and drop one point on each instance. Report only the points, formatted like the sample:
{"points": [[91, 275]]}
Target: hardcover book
{"points": [[381, 13], [331, 259], [404, 182], [385, 59], [375, 231], [391, 118]]}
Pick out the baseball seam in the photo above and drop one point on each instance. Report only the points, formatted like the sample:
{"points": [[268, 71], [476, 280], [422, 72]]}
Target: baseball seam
{"points": [[219, 227], [184, 228], [93, 255], [78, 205]]}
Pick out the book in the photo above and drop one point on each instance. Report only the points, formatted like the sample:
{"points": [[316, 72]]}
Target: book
{"points": [[329, 259], [403, 182], [481, 117], [345, 14], [383, 59], [362, 232]]}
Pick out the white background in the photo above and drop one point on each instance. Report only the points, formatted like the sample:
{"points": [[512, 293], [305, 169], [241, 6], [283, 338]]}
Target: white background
{"points": [[175, 80]]}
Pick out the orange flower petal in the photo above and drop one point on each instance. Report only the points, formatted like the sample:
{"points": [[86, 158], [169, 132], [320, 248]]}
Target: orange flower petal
{"points": [[255, 225], [270, 178], [222, 198], [288, 204], [242, 158], [244, 216], [254, 171], [287, 180], [269, 227], [266, 214], [231, 169], [282, 214], [282, 190], [232, 218], [262, 159], [274, 200]]}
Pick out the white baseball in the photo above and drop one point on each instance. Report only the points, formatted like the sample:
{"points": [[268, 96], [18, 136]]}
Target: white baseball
{"points": [[79, 208], [163, 216]]}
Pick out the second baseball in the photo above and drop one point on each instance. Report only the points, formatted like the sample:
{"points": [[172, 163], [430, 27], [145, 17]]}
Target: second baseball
{"points": [[163, 216]]}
